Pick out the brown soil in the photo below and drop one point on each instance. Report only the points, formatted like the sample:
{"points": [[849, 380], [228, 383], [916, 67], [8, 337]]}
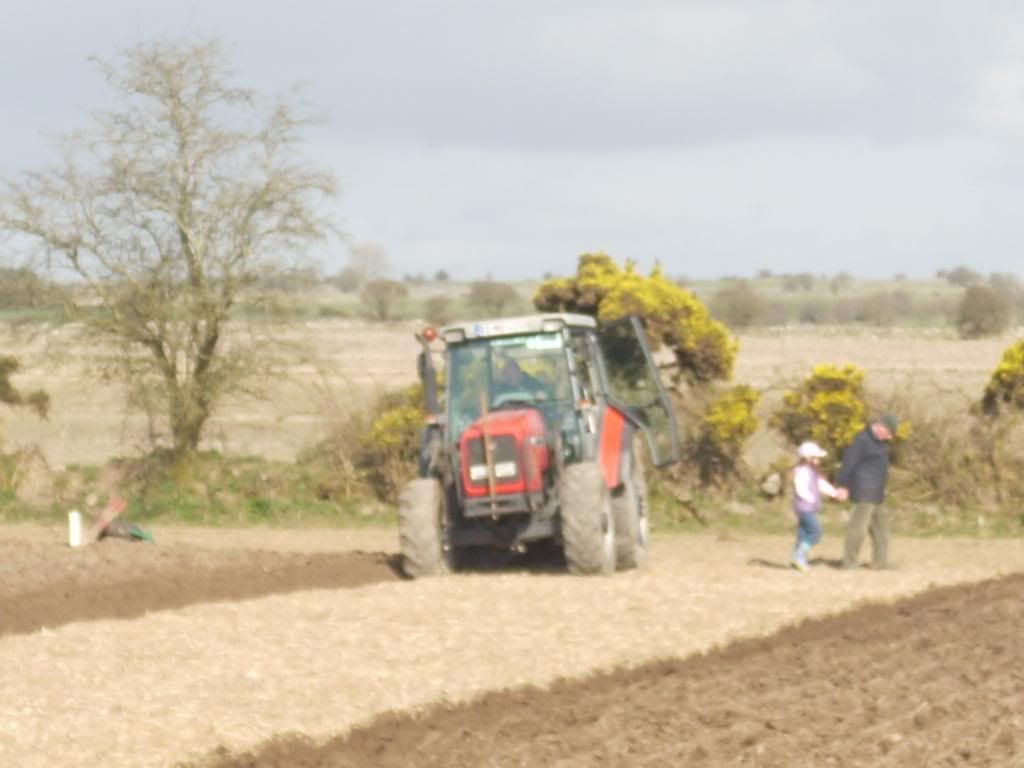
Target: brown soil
{"points": [[45, 584], [314, 655], [935, 680]]}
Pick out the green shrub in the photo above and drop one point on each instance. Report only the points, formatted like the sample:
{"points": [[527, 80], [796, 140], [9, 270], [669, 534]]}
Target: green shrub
{"points": [[984, 311], [438, 310], [960, 276], [737, 304], [38, 400], [348, 280], [840, 282], [815, 311], [886, 308], [261, 508], [801, 282], [382, 296], [492, 297]]}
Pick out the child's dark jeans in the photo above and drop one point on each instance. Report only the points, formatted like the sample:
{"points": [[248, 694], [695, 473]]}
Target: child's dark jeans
{"points": [[808, 531]]}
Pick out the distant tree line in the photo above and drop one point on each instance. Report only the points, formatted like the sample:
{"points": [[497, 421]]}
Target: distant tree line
{"points": [[987, 306], [740, 304]]}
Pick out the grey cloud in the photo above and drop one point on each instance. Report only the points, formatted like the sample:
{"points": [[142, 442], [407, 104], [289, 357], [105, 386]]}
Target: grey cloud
{"points": [[718, 136]]}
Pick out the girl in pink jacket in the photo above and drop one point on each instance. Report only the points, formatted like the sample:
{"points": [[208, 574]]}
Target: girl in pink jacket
{"points": [[809, 486]]}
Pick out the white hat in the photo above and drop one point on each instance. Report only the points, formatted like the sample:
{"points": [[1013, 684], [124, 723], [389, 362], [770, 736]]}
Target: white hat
{"points": [[811, 450]]}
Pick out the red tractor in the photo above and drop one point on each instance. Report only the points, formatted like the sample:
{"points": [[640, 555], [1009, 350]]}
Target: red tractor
{"points": [[536, 442]]}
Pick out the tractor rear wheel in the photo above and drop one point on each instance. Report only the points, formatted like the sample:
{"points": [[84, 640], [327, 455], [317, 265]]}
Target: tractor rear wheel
{"points": [[629, 507], [421, 530], [588, 527]]}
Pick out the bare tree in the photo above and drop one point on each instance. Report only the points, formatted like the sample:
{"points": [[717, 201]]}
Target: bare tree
{"points": [[167, 208]]}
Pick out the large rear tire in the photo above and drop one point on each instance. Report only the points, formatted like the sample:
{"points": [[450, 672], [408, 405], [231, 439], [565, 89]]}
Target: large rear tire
{"points": [[588, 528], [421, 530], [632, 525]]}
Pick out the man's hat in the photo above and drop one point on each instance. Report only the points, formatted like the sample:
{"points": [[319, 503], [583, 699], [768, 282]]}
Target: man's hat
{"points": [[890, 421]]}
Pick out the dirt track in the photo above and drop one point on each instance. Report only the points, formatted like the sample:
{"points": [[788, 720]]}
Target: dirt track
{"points": [[119, 580], [937, 679]]}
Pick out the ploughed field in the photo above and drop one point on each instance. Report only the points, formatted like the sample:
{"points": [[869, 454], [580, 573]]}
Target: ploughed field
{"points": [[304, 648]]}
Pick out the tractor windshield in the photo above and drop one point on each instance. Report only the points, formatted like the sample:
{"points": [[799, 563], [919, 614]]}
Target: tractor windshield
{"points": [[507, 372]]}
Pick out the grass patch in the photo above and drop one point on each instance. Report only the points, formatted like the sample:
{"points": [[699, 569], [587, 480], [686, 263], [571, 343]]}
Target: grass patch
{"points": [[211, 490], [217, 491]]}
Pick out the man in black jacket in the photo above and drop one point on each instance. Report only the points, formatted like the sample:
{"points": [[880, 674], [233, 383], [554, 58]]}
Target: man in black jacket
{"points": [[863, 474]]}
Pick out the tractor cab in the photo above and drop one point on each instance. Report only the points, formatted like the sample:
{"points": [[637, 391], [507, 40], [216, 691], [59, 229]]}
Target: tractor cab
{"points": [[508, 373]]}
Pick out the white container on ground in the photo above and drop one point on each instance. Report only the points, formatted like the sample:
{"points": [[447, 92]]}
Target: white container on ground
{"points": [[75, 528]]}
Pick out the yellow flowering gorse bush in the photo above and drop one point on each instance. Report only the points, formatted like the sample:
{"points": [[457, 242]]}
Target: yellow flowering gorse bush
{"points": [[704, 348], [727, 424], [828, 407], [1006, 385], [387, 451]]}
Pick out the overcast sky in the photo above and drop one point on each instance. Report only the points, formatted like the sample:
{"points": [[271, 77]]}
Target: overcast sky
{"points": [[718, 137]]}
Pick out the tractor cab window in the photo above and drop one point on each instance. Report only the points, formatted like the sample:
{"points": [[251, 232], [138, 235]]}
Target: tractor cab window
{"points": [[507, 372], [634, 387]]}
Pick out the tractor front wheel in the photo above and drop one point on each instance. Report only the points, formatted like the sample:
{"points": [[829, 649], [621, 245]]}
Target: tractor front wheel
{"points": [[588, 527], [421, 528]]}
